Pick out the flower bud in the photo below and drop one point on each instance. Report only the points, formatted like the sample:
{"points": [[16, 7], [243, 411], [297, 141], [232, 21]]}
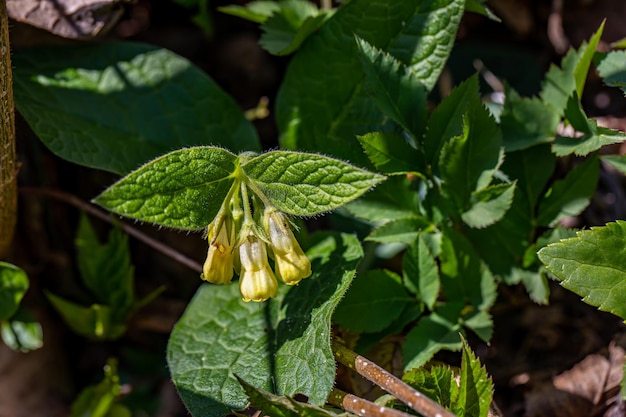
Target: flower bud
{"points": [[218, 267], [257, 281], [292, 265]]}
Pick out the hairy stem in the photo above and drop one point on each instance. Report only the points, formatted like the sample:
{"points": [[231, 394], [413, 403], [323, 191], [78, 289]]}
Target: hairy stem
{"points": [[396, 387], [361, 407], [8, 166]]}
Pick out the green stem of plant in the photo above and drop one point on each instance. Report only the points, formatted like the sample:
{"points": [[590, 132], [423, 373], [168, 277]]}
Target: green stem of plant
{"points": [[8, 165], [393, 385], [361, 407]]}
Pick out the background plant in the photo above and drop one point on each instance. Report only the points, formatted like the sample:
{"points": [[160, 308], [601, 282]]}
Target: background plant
{"points": [[472, 192]]}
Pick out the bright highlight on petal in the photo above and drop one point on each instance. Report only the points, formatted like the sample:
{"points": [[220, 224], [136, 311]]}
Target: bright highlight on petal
{"points": [[257, 281], [292, 265]]}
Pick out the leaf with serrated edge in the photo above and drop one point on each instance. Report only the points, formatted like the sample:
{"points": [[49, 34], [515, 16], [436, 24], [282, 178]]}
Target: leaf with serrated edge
{"points": [[475, 387], [589, 143], [434, 332], [420, 271], [126, 104], [306, 184], [569, 196], [13, 286], [183, 189], [390, 153], [375, 299], [282, 345], [467, 163], [397, 92], [612, 69], [592, 265], [402, 230], [106, 268], [329, 94], [438, 383], [489, 205]]}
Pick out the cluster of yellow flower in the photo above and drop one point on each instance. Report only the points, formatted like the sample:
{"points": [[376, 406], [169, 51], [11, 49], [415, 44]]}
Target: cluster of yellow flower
{"points": [[244, 251]]}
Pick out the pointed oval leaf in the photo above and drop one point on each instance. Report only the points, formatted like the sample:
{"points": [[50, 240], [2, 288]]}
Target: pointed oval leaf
{"points": [[117, 105], [306, 184], [281, 346], [592, 265], [183, 189]]}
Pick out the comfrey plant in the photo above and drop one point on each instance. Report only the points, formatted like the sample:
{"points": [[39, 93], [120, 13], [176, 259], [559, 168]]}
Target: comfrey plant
{"points": [[239, 244]]}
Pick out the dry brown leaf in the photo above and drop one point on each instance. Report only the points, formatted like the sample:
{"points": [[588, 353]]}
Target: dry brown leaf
{"points": [[590, 388], [76, 19]]}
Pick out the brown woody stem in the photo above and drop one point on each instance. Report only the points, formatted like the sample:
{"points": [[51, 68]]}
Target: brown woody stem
{"points": [[88, 208], [8, 166], [393, 385], [361, 407]]}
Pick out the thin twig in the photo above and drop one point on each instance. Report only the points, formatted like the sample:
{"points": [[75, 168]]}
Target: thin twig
{"points": [[361, 407], [395, 386], [77, 202]]}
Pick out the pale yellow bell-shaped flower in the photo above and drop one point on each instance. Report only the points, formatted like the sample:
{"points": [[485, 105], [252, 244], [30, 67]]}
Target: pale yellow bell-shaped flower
{"points": [[292, 265], [218, 267], [257, 281]]}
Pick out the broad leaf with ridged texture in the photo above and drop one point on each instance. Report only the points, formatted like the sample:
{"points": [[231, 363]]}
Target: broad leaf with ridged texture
{"points": [[592, 265], [281, 346], [305, 184], [183, 189], [325, 84], [126, 104]]}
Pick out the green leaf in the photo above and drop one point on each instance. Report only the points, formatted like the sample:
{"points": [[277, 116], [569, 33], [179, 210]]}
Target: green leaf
{"points": [[403, 230], [390, 153], [503, 244], [592, 265], [475, 387], [612, 69], [395, 200], [420, 271], [434, 332], [125, 103], [98, 400], [480, 322], [256, 11], [280, 406], [616, 161], [282, 346], [324, 84], [569, 197], [375, 299], [22, 332], [290, 25], [438, 383], [560, 83], [409, 315], [464, 277], [489, 205], [183, 189], [526, 122], [446, 120], [13, 286], [468, 162], [93, 322], [600, 136], [306, 184], [106, 268], [399, 94], [536, 285], [478, 6]]}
